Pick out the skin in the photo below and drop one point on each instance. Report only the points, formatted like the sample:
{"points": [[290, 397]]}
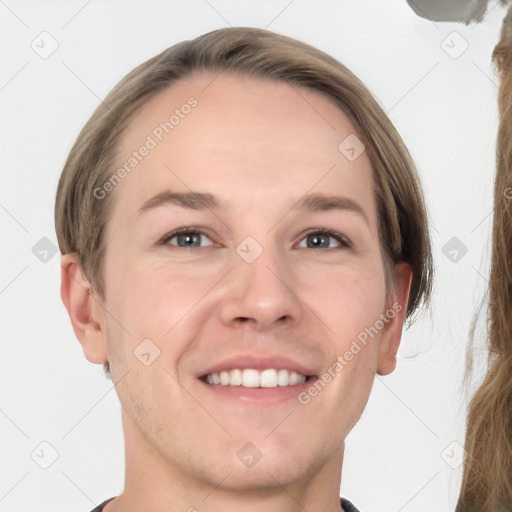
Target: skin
{"points": [[259, 146]]}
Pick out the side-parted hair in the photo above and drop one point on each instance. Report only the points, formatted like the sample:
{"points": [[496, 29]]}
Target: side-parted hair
{"points": [[487, 478], [81, 218]]}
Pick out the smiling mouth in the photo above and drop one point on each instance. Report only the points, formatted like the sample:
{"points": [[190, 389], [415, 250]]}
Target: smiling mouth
{"points": [[252, 378]]}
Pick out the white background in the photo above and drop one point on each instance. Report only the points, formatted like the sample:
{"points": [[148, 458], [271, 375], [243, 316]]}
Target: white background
{"points": [[444, 108]]}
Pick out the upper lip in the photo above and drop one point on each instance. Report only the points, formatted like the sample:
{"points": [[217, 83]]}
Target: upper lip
{"points": [[244, 361]]}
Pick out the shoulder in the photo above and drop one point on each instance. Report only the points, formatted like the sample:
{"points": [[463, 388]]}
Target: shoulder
{"points": [[348, 506], [99, 508]]}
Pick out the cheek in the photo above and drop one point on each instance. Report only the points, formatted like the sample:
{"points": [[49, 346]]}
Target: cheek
{"points": [[155, 300], [349, 298]]}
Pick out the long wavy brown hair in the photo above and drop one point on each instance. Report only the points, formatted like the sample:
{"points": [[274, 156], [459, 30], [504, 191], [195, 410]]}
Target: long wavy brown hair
{"points": [[487, 478]]}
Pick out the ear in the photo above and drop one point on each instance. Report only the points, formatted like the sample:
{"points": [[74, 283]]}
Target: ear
{"points": [[84, 309], [392, 332]]}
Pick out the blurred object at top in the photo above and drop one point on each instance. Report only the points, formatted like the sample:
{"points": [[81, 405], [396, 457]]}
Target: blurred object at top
{"points": [[465, 11]]}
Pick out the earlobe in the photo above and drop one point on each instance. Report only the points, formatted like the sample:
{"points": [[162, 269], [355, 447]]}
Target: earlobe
{"points": [[78, 298], [397, 308]]}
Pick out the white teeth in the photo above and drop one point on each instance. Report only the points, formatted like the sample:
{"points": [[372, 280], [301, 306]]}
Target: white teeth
{"points": [[235, 377], [250, 378], [282, 378], [268, 379]]}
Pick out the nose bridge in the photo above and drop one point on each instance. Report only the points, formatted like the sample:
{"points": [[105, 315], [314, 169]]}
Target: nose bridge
{"points": [[261, 285]]}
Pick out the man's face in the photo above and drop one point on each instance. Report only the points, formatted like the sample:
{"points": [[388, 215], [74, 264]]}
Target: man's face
{"points": [[252, 278]]}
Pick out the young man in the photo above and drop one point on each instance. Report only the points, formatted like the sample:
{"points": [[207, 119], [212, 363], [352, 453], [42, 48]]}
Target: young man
{"points": [[243, 234]]}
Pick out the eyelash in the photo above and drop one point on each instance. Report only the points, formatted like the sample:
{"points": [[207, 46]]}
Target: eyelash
{"points": [[345, 243]]}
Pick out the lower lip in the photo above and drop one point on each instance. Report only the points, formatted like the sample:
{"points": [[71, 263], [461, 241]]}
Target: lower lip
{"points": [[259, 396]]}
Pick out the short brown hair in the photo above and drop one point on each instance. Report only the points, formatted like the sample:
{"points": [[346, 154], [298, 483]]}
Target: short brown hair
{"points": [[81, 218]]}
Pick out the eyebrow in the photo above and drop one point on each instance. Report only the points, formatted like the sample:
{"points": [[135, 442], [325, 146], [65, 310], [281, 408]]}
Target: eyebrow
{"points": [[189, 200], [203, 201]]}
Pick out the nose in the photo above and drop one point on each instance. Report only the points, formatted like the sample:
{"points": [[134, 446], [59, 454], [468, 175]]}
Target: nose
{"points": [[262, 293]]}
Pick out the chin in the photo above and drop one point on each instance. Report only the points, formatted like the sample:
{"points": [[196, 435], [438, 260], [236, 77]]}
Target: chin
{"points": [[264, 475]]}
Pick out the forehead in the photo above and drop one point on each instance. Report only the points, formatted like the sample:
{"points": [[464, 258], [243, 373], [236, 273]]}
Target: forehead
{"points": [[241, 138]]}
